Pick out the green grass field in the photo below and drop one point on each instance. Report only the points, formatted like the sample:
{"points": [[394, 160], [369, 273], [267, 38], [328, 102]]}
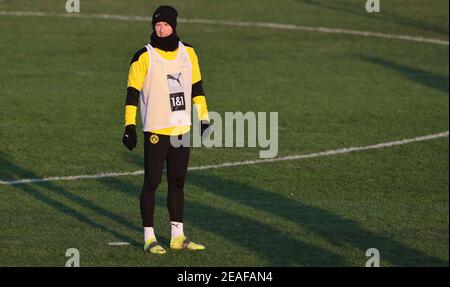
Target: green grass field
{"points": [[63, 86]]}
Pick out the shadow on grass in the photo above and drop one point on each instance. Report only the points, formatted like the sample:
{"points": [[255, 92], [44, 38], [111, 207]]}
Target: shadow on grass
{"points": [[276, 247], [331, 227], [428, 79], [280, 249], [384, 16], [38, 191]]}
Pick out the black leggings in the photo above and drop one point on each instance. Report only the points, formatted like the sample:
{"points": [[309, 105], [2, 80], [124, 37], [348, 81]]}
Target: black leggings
{"points": [[155, 154]]}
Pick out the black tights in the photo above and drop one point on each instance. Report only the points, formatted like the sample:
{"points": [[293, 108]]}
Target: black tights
{"points": [[155, 154]]}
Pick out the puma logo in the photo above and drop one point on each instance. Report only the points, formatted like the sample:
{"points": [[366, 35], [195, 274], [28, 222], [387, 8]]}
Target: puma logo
{"points": [[176, 225], [171, 77]]}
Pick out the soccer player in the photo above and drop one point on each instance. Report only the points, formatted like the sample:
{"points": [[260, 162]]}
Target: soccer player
{"points": [[164, 78]]}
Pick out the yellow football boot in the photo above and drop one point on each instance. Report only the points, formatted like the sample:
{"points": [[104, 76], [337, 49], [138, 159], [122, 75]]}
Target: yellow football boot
{"points": [[152, 246], [182, 242]]}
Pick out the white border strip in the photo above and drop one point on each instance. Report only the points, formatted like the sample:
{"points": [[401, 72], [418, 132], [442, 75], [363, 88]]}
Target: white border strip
{"points": [[235, 24], [240, 163]]}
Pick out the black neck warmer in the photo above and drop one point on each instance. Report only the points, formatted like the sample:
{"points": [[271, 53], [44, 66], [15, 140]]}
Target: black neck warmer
{"points": [[169, 43]]}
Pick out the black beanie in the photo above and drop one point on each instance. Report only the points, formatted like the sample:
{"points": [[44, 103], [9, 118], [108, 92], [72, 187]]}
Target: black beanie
{"points": [[166, 14]]}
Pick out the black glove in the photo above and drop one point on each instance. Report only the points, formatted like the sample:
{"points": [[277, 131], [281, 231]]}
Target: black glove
{"points": [[204, 129], [129, 137]]}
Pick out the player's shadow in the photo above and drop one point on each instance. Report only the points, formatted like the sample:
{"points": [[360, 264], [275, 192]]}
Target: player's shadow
{"points": [[278, 248], [386, 16], [134, 157], [330, 227], [425, 78], [41, 192]]}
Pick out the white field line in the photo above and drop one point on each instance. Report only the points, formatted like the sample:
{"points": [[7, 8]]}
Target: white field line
{"points": [[235, 24], [239, 163]]}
